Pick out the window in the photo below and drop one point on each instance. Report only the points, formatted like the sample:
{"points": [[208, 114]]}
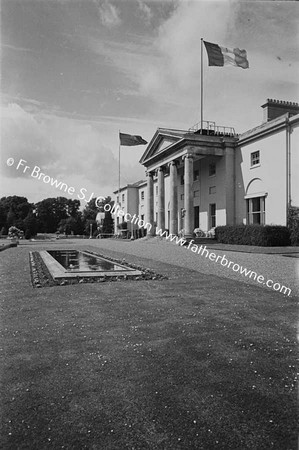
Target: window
{"points": [[212, 169], [156, 190], [255, 158], [256, 210], [182, 196], [142, 216], [196, 193], [142, 195], [123, 197], [212, 190], [182, 179], [212, 215], [196, 175], [117, 199]]}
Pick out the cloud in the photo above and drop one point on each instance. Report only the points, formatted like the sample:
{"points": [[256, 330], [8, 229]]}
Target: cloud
{"points": [[170, 61], [165, 67], [63, 148], [145, 11], [178, 42], [22, 137], [19, 49], [109, 14], [80, 154]]}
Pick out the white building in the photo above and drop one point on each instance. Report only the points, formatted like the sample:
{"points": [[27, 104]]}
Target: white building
{"points": [[210, 176]]}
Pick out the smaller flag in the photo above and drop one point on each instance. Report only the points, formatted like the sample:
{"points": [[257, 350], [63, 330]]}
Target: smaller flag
{"points": [[222, 56], [129, 139]]}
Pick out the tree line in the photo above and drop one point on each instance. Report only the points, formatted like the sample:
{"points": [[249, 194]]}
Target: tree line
{"points": [[53, 215]]}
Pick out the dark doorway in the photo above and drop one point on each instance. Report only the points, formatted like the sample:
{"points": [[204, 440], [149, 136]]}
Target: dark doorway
{"points": [[196, 216]]}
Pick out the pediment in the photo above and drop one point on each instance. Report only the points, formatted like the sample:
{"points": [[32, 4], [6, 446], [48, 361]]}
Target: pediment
{"points": [[161, 140], [164, 144]]}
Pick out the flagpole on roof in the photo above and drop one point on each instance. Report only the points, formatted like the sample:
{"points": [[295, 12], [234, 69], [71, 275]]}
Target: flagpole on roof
{"points": [[201, 85]]}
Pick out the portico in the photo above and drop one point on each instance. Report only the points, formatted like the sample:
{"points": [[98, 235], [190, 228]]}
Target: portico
{"points": [[175, 154], [209, 176]]}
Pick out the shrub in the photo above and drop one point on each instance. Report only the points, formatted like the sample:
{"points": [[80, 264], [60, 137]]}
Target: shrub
{"points": [[266, 236], [122, 226], [293, 225], [14, 232], [27, 233]]}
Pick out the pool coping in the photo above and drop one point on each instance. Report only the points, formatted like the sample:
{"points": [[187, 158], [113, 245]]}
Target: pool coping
{"points": [[57, 271]]}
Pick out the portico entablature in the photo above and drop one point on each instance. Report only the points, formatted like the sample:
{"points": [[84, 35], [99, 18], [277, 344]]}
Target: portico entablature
{"points": [[178, 156], [199, 146]]}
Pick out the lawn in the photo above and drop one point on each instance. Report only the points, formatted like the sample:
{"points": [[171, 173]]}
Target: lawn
{"points": [[192, 362]]}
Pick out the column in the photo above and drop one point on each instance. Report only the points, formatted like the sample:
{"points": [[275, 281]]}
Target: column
{"points": [[188, 196], [173, 225], [230, 185], [150, 203], [161, 199]]}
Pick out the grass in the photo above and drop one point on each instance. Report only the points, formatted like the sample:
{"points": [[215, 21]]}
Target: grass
{"points": [[192, 362]]}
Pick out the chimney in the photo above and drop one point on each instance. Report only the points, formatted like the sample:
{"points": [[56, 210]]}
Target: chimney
{"points": [[275, 108]]}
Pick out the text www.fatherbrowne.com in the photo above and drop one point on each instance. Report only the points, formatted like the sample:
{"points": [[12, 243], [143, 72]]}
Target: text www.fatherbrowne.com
{"points": [[202, 251]]}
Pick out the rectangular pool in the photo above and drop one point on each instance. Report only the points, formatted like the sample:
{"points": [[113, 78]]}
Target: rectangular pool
{"points": [[76, 263]]}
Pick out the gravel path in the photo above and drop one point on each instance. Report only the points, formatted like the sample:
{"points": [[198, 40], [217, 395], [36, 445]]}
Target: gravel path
{"points": [[280, 269]]}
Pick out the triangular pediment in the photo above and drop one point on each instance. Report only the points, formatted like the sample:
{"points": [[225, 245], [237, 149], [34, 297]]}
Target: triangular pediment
{"points": [[161, 140], [164, 144]]}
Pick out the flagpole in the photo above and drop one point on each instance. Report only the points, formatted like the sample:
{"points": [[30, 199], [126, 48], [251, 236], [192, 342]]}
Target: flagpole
{"points": [[119, 166], [201, 85]]}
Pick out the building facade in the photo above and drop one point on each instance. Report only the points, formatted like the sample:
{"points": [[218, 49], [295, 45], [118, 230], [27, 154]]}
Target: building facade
{"points": [[130, 199], [209, 176]]}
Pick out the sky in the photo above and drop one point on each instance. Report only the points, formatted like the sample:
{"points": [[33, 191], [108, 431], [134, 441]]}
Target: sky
{"points": [[76, 72]]}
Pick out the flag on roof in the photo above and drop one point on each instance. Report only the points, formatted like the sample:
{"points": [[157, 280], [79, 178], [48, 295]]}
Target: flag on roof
{"points": [[222, 56], [129, 139]]}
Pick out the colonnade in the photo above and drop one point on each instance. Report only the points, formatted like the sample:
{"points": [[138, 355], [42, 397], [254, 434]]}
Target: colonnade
{"points": [[188, 197]]}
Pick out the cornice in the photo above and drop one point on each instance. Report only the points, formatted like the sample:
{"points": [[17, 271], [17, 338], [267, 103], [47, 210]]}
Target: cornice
{"points": [[264, 130]]}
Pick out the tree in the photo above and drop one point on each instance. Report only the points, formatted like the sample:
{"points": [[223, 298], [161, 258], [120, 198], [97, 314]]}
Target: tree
{"points": [[10, 218], [19, 223], [71, 225], [50, 212], [73, 208], [3, 222], [30, 224], [13, 210], [46, 216], [90, 211], [108, 225]]}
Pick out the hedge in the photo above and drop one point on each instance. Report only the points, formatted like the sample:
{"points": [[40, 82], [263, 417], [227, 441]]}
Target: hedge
{"points": [[266, 236], [293, 224]]}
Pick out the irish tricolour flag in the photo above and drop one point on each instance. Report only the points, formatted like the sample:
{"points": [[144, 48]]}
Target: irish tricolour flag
{"points": [[222, 56]]}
